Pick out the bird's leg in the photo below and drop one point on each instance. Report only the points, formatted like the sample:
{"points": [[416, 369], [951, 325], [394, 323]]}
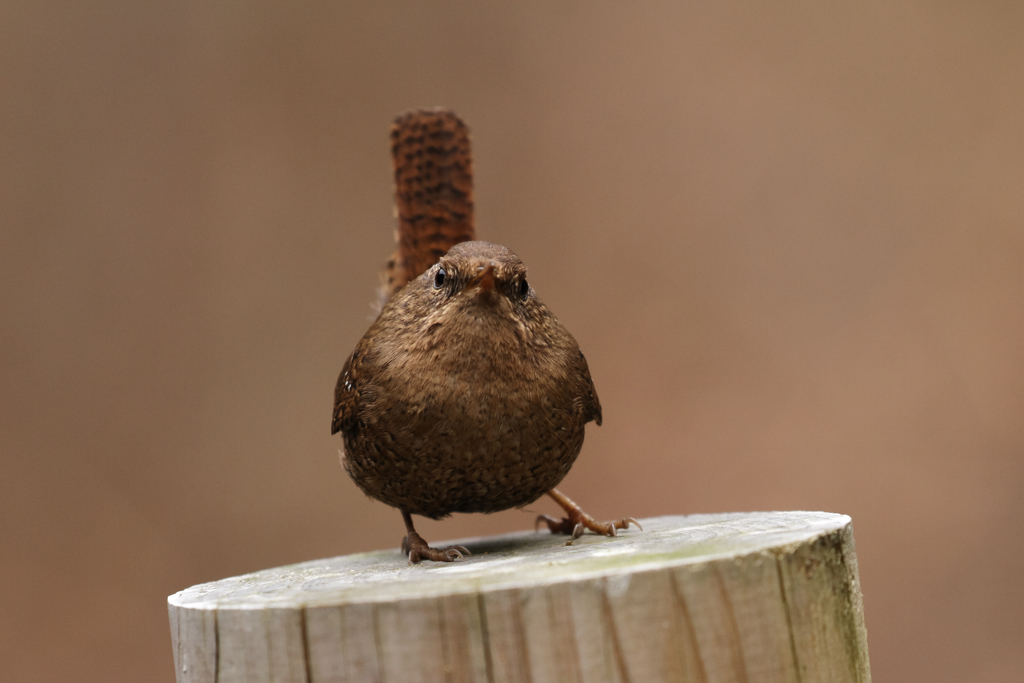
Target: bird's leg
{"points": [[577, 520], [417, 549]]}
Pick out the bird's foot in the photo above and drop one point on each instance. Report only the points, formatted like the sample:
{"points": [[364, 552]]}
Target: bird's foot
{"points": [[575, 524], [577, 521], [417, 549]]}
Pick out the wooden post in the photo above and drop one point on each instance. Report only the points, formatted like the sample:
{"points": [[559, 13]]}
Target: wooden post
{"points": [[769, 596]]}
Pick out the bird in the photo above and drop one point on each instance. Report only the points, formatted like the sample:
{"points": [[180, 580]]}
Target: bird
{"points": [[466, 394]]}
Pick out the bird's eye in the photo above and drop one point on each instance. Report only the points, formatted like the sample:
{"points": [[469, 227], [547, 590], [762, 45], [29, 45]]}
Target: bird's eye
{"points": [[524, 288], [439, 278]]}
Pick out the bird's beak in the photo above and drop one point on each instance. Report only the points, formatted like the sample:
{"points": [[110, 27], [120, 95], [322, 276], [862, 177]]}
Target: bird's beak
{"points": [[484, 279]]}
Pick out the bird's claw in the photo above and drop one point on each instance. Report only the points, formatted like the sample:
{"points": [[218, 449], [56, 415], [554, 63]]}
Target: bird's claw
{"points": [[576, 533], [459, 550], [555, 525], [578, 521], [626, 521], [418, 550]]}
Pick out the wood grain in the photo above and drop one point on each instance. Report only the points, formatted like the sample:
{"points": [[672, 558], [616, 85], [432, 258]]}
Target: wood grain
{"points": [[729, 597]]}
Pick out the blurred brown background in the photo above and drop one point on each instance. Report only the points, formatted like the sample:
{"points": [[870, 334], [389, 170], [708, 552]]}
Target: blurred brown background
{"points": [[789, 238]]}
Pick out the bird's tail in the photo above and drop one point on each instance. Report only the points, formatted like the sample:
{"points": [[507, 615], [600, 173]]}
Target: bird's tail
{"points": [[433, 193]]}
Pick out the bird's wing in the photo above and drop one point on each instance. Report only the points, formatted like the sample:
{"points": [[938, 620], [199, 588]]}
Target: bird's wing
{"points": [[346, 393], [590, 403]]}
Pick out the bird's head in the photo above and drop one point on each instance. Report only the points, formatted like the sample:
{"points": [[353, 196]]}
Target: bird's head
{"points": [[479, 279]]}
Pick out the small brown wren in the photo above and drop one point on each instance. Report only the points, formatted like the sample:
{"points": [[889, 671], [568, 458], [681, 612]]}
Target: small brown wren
{"points": [[466, 394]]}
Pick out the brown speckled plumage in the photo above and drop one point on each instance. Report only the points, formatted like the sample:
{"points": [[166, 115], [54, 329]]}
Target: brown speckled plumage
{"points": [[460, 399], [466, 394]]}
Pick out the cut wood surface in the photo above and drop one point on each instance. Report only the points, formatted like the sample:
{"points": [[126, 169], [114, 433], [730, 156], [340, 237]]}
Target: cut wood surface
{"points": [[761, 596]]}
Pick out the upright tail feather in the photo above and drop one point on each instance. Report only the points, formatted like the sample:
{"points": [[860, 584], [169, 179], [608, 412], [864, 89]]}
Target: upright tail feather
{"points": [[433, 191]]}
